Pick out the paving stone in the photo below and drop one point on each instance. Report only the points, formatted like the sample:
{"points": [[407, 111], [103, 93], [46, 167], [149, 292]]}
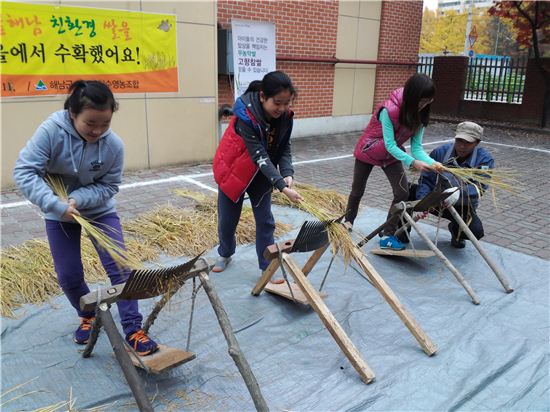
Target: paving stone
{"points": [[518, 223]]}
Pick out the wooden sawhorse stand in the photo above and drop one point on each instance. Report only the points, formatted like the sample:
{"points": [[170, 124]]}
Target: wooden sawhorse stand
{"points": [[433, 201], [280, 256], [144, 284]]}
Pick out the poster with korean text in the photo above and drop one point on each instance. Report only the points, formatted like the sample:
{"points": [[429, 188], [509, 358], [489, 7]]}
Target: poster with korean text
{"points": [[253, 52], [44, 48]]}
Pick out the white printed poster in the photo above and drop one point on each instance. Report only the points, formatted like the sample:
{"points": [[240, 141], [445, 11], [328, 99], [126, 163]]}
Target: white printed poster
{"points": [[253, 52]]}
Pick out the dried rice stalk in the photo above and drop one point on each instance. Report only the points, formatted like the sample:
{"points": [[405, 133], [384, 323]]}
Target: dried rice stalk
{"points": [[27, 274], [207, 208], [505, 179], [332, 202], [339, 237], [121, 257], [324, 205], [170, 229]]}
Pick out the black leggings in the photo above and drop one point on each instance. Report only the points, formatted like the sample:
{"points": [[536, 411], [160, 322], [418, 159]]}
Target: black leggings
{"points": [[397, 178]]}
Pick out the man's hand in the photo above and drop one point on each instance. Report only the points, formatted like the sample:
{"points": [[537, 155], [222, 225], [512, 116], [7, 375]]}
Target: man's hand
{"points": [[289, 181], [438, 167], [420, 215], [453, 198], [292, 195], [71, 210]]}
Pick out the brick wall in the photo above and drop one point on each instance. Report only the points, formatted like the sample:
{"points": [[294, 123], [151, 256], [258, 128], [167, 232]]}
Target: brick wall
{"points": [[533, 96], [449, 76], [303, 28], [399, 39]]}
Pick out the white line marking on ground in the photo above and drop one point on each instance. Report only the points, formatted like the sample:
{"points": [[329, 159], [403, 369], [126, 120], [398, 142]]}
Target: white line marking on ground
{"points": [[15, 204], [518, 147], [191, 178], [324, 159], [193, 181]]}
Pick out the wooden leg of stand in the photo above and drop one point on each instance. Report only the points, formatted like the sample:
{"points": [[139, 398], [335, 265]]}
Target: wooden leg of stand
{"points": [[130, 373], [266, 276], [313, 259], [444, 259], [390, 297], [500, 276], [330, 322], [233, 345]]}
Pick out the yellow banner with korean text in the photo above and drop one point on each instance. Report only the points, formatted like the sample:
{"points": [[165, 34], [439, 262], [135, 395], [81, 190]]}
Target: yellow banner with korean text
{"points": [[44, 48]]}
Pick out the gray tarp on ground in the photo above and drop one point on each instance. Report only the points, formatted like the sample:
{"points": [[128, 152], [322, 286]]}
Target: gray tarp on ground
{"points": [[494, 356]]}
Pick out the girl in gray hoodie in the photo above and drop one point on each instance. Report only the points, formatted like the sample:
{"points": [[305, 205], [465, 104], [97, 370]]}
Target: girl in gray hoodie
{"points": [[78, 145]]}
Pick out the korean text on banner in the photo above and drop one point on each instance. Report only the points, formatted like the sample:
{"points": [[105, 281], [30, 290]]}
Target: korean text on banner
{"points": [[44, 48], [253, 52]]}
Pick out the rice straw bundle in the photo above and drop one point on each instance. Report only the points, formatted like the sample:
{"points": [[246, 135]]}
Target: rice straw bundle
{"points": [[121, 257], [505, 179], [325, 205], [339, 237], [333, 203]]}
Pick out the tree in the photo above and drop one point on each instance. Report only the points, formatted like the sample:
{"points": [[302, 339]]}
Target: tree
{"points": [[531, 19], [446, 32], [502, 35]]}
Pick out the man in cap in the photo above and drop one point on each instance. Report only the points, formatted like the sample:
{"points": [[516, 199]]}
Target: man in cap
{"points": [[463, 152]]}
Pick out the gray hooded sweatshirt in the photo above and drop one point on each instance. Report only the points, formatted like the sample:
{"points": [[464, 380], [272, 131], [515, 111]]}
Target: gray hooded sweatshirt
{"points": [[91, 172]]}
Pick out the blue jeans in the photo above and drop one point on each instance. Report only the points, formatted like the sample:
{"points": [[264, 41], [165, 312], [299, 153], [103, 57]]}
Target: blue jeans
{"points": [[229, 214], [64, 239]]}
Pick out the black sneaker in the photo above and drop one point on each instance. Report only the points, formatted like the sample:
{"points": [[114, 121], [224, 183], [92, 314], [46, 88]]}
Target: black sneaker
{"points": [[459, 244]]}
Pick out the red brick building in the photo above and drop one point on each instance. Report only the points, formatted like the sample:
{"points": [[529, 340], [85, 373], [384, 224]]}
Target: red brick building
{"points": [[355, 52]]}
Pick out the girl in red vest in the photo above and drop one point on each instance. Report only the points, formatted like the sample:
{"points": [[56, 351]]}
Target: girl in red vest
{"points": [[254, 157], [400, 118]]}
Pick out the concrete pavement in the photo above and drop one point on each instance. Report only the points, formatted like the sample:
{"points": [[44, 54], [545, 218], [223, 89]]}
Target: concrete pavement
{"points": [[519, 223]]}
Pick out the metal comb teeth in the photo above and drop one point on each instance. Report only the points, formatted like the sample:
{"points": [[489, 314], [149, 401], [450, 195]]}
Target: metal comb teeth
{"points": [[148, 283], [312, 235]]}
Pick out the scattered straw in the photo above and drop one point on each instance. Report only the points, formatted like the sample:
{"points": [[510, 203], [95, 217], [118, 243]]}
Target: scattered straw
{"points": [[203, 231], [27, 272]]}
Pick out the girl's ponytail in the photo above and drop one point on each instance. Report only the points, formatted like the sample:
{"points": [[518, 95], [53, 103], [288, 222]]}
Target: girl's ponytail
{"points": [[92, 94]]}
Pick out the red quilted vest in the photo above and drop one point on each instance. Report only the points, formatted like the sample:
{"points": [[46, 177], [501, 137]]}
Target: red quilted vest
{"points": [[371, 148], [232, 165]]}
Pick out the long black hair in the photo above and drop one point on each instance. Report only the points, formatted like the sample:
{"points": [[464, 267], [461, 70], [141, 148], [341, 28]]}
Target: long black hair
{"points": [[89, 94], [419, 86], [272, 84]]}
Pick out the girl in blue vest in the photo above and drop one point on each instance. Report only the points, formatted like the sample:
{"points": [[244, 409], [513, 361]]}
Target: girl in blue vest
{"points": [[78, 145], [400, 118], [254, 157]]}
